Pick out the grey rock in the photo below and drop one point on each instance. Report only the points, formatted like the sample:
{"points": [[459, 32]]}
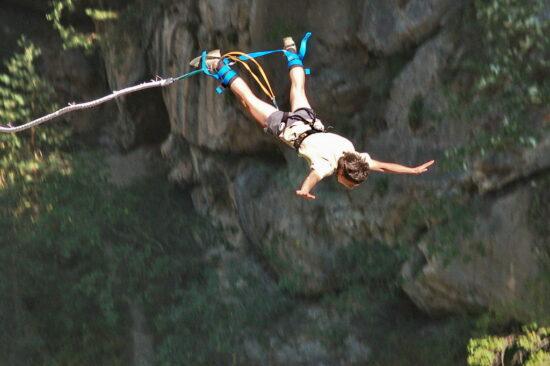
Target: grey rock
{"points": [[306, 352], [357, 352], [371, 64], [390, 26], [417, 79], [492, 172], [493, 265], [126, 169], [299, 239]]}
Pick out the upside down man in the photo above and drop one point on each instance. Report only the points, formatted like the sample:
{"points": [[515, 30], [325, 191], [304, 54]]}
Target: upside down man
{"points": [[327, 153]]}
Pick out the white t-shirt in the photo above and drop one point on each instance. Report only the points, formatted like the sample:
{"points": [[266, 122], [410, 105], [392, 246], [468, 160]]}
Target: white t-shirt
{"points": [[323, 150]]}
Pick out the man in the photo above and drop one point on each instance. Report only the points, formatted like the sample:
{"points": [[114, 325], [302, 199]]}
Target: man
{"points": [[327, 153]]}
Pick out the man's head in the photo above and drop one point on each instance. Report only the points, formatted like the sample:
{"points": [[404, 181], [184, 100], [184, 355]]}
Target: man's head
{"points": [[352, 170]]}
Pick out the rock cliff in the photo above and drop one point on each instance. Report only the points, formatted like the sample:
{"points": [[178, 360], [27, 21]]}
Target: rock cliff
{"points": [[381, 71], [372, 64]]}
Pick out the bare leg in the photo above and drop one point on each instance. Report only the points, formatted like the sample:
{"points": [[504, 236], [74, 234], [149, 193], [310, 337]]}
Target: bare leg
{"points": [[298, 97], [259, 109]]}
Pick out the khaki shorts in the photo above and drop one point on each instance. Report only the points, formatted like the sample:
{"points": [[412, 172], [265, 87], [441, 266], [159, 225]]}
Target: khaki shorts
{"points": [[293, 127]]}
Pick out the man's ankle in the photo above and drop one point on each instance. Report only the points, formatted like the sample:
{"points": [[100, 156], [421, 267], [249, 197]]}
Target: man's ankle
{"points": [[289, 45]]}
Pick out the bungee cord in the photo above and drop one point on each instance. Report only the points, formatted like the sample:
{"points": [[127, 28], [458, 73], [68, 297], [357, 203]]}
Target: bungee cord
{"points": [[162, 82], [237, 57], [86, 105]]}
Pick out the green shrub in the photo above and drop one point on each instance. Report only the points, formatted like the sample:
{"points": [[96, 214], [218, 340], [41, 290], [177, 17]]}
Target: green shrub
{"points": [[485, 351], [515, 47], [25, 95], [208, 321], [80, 251], [500, 77], [70, 36], [529, 347]]}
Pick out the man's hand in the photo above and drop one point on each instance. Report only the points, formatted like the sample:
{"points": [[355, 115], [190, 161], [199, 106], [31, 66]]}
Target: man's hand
{"points": [[311, 180], [380, 166], [305, 195], [423, 168]]}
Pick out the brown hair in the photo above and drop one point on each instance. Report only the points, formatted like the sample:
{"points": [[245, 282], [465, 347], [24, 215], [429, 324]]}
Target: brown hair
{"points": [[354, 167]]}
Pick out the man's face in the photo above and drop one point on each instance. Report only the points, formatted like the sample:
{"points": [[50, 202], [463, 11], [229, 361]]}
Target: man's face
{"points": [[345, 181]]}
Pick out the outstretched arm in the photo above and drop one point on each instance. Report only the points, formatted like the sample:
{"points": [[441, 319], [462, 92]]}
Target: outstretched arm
{"points": [[311, 180], [380, 166]]}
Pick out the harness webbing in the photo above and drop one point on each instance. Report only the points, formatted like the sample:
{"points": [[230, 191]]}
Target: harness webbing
{"points": [[266, 88], [301, 52], [241, 58], [310, 122]]}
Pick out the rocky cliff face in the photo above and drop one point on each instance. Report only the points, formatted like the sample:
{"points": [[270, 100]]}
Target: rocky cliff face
{"points": [[472, 236], [372, 63]]}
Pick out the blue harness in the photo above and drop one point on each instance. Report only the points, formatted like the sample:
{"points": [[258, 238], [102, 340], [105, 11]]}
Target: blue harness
{"points": [[225, 74]]}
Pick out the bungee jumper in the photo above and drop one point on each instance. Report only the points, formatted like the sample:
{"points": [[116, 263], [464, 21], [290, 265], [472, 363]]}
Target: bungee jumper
{"points": [[327, 153]]}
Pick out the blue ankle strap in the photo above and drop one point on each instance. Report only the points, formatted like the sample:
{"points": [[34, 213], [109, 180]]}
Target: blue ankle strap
{"points": [[224, 75], [303, 45], [293, 59], [296, 58]]}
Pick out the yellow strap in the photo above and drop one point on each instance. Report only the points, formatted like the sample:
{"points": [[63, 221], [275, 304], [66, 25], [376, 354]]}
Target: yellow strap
{"points": [[262, 72], [266, 88], [258, 81]]}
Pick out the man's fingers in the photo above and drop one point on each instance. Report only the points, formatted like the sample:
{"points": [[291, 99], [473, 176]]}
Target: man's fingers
{"points": [[304, 195], [427, 164], [424, 167], [308, 196]]}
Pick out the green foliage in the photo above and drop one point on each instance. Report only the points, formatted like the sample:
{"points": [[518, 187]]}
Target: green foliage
{"points": [[24, 159], [79, 251], [101, 15], [76, 253], [70, 36], [516, 43], [74, 250], [209, 320], [23, 92], [501, 77], [25, 95], [512, 132], [485, 351], [529, 347]]}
